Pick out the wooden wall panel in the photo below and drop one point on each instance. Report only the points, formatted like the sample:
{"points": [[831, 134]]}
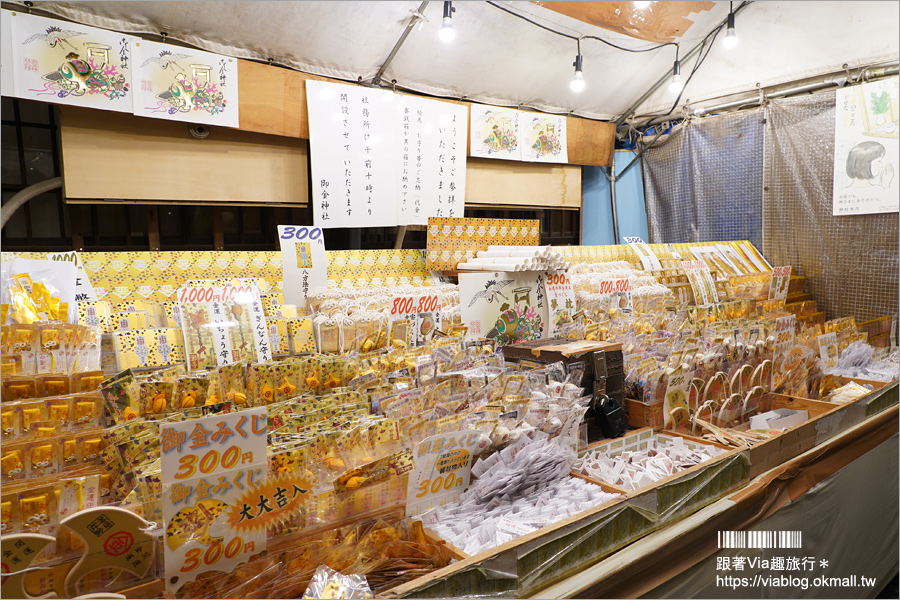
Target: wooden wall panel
{"points": [[590, 142], [115, 155], [273, 101], [511, 183]]}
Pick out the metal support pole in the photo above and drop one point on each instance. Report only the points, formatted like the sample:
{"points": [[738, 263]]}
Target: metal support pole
{"points": [[23, 196], [611, 177], [396, 48]]}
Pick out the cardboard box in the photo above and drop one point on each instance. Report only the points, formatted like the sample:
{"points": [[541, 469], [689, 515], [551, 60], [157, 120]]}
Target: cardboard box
{"points": [[780, 418]]}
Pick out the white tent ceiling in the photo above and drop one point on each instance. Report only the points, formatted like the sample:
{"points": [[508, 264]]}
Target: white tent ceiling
{"points": [[499, 59]]}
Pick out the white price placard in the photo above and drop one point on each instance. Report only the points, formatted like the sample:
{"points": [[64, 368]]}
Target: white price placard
{"points": [[781, 279], [304, 266], [828, 350], [648, 258], [206, 465], [561, 299], [423, 311], [443, 469], [618, 288]]}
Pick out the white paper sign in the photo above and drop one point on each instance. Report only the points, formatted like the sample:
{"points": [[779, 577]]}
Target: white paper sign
{"points": [[207, 464], [648, 258], [423, 311], [353, 145], [561, 299], [443, 469], [507, 307], [304, 265], [495, 132], [84, 290], [7, 86], [431, 159], [866, 149], [544, 138], [183, 84], [617, 291], [828, 350], [781, 279], [70, 63]]}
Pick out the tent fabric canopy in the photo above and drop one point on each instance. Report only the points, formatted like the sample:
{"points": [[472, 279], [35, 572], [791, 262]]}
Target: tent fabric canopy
{"points": [[499, 59]]}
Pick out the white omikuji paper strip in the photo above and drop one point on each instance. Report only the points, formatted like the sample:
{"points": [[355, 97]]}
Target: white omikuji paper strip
{"points": [[70, 63], [866, 149], [183, 84], [431, 159], [353, 149]]}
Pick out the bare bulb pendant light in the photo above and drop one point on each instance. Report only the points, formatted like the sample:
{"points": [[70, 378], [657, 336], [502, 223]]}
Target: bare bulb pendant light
{"points": [[577, 83], [676, 85], [447, 32], [731, 38]]}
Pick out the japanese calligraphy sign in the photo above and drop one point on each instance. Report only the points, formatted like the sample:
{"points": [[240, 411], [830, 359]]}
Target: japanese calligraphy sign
{"points": [[443, 469], [784, 347], [208, 465], [304, 265], [431, 159], [270, 503], [353, 140], [70, 63], [781, 279], [561, 299], [223, 325], [185, 84], [423, 311], [18, 551], [648, 258], [114, 537], [384, 159]]}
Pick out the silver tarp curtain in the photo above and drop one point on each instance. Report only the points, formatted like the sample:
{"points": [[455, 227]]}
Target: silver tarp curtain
{"points": [[851, 262], [766, 176], [703, 181]]}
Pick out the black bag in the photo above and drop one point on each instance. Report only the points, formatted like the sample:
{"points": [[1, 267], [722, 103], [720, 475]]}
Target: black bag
{"points": [[609, 415]]}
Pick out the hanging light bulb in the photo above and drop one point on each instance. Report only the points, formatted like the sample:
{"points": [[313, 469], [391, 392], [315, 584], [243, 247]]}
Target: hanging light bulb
{"points": [[447, 33], [577, 83], [676, 85], [731, 38], [641, 5]]}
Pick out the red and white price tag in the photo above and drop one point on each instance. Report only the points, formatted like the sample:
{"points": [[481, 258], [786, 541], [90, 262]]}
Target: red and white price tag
{"points": [[423, 310]]}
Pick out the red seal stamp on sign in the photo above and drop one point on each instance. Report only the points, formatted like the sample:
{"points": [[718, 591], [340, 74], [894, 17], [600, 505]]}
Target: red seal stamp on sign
{"points": [[118, 543], [4, 568]]}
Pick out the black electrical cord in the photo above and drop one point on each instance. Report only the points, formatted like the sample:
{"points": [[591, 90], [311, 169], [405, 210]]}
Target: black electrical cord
{"points": [[710, 38], [577, 38]]}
